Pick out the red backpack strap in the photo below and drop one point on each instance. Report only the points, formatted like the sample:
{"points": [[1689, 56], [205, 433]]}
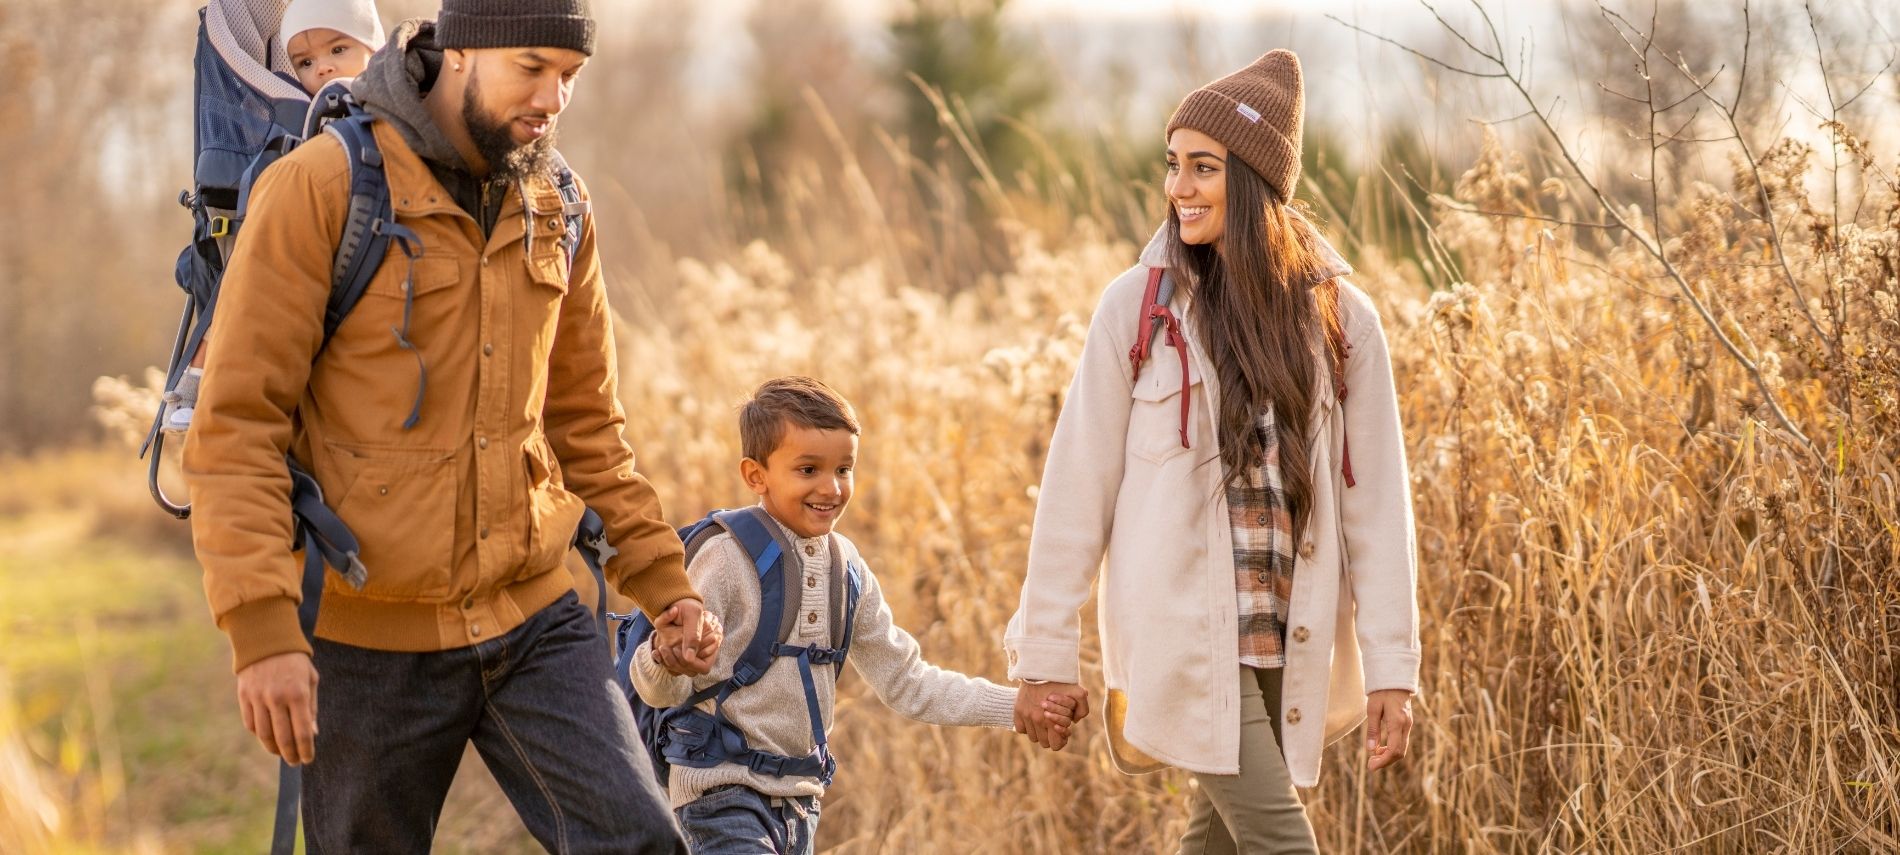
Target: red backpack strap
{"points": [[1145, 329], [1341, 351], [1156, 316]]}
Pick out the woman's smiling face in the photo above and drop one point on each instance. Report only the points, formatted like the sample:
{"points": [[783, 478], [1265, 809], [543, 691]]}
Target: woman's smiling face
{"points": [[1197, 185]]}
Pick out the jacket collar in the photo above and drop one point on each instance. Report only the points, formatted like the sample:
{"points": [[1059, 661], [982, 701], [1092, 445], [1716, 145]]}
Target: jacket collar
{"points": [[415, 192]]}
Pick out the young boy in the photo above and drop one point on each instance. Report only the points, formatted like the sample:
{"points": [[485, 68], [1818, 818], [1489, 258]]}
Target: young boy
{"points": [[800, 443], [325, 40]]}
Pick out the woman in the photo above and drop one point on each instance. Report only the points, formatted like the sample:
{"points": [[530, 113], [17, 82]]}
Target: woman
{"points": [[1198, 460]]}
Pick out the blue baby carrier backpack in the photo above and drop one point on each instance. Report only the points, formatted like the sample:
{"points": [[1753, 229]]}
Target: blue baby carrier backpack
{"points": [[687, 735], [250, 112]]}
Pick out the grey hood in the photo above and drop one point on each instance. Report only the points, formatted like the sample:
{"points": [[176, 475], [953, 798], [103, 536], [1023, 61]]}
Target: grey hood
{"points": [[391, 89]]}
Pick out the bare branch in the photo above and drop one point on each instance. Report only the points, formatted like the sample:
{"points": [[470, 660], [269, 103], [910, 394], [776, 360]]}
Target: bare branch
{"points": [[1447, 204], [1415, 52], [1651, 245]]}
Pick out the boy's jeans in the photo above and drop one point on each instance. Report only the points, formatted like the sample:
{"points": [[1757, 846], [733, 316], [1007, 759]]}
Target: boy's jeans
{"points": [[739, 820], [541, 707]]}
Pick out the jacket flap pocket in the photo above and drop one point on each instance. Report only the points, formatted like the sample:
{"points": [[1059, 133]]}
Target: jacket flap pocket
{"points": [[427, 274], [1160, 377]]}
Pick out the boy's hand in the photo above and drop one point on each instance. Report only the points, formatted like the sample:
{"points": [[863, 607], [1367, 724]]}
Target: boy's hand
{"points": [[1059, 712], [686, 638]]}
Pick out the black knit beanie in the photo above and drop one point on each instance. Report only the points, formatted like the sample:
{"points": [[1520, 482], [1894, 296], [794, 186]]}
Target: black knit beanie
{"points": [[464, 24]]}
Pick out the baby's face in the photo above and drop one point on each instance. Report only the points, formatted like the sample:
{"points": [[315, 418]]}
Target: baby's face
{"points": [[320, 54]]}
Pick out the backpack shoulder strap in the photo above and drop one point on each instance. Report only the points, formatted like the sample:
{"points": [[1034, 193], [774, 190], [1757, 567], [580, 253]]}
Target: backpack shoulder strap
{"points": [[574, 209], [760, 542], [365, 240], [1159, 291], [369, 228], [854, 593], [1340, 351], [1156, 318]]}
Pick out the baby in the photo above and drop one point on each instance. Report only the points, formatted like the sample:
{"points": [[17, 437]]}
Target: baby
{"points": [[325, 40], [329, 39]]}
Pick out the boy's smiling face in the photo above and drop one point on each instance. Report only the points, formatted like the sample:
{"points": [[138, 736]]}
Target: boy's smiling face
{"points": [[320, 53], [806, 481]]}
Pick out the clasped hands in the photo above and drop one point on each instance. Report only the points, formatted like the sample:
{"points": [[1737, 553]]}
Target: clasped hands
{"points": [[686, 638], [1046, 712]]}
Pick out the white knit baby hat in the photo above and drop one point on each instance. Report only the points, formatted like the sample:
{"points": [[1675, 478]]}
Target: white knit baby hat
{"points": [[354, 18]]}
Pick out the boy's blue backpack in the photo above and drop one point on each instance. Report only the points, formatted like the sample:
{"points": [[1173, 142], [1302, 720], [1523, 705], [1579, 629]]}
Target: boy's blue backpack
{"points": [[250, 112], [687, 735]]}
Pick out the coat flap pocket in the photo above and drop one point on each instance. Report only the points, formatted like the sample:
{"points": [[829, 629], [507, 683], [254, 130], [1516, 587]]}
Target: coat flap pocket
{"points": [[1161, 375], [425, 273]]}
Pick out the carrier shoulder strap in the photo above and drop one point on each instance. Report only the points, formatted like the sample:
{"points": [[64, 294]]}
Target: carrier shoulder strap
{"points": [[366, 233]]}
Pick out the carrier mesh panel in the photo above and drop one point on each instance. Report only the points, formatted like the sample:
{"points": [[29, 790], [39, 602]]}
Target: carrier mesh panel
{"points": [[235, 87]]}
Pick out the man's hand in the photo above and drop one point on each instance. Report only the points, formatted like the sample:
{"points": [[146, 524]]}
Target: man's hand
{"points": [[686, 638], [1388, 726], [277, 696], [1034, 706]]}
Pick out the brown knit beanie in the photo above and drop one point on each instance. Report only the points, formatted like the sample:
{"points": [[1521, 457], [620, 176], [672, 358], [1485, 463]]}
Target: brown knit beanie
{"points": [[466, 24], [1258, 113]]}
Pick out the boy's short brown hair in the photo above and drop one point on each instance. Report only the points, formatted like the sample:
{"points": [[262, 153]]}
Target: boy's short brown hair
{"points": [[790, 400]]}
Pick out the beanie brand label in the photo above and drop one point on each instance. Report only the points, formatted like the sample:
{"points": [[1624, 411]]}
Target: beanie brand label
{"points": [[1252, 114]]}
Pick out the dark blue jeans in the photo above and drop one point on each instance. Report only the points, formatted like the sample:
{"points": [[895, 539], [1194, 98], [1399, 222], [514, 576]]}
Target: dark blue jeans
{"points": [[541, 707], [737, 820]]}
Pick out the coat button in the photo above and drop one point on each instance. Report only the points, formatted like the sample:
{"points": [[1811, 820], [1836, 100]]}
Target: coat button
{"points": [[1300, 634], [1264, 577], [1262, 520], [488, 350], [1293, 716], [383, 490], [484, 532], [483, 442], [1306, 549], [811, 581], [468, 602], [810, 549], [811, 618], [475, 630]]}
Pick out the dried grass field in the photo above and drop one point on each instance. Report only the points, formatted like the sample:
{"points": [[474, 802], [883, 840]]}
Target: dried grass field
{"points": [[1656, 470]]}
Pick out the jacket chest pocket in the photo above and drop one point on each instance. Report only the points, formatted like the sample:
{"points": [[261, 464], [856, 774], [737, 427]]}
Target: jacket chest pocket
{"points": [[547, 286], [1166, 406], [416, 299]]}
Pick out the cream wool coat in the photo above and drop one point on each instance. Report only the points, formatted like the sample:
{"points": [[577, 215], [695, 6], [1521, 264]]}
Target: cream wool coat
{"points": [[1119, 483]]}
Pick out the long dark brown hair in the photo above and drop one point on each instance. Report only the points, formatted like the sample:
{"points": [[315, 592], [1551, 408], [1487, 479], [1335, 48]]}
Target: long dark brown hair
{"points": [[1263, 324]]}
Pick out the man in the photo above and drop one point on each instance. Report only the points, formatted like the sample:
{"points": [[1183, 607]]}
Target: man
{"points": [[459, 421]]}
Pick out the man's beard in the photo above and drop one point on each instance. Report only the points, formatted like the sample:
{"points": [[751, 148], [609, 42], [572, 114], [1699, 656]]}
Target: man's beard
{"points": [[507, 160]]}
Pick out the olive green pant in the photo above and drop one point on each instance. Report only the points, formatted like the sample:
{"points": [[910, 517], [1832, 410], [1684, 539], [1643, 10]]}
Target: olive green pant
{"points": [[1256, 811]]}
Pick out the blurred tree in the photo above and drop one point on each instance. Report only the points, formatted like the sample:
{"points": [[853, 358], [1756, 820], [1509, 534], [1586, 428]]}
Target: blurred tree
{"points": [[811, 94], [96, 143], [988, 76]]}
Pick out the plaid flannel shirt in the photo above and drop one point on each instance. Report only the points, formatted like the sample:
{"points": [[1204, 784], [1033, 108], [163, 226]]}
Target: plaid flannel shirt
{"points": [[1263, 553]]}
